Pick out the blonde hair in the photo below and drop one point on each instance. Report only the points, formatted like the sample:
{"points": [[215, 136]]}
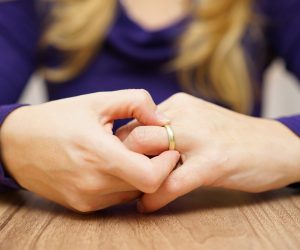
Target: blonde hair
{"points": [[211, 59]]}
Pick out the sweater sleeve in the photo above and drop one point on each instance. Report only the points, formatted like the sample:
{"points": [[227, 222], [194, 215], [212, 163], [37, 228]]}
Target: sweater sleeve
{"points": [[18, 45], [292, 122], [6, 182], [19, 32], [283, 35]]}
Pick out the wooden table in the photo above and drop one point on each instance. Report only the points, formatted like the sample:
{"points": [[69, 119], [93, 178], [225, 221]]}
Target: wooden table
{"points": [[204, 219]]}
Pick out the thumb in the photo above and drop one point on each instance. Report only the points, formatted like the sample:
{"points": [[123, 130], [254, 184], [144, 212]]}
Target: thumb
{"points": [[135, 103], [181, 181], [147, 140]]}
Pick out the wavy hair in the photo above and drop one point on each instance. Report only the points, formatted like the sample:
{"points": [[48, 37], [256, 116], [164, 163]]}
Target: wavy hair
{"points": [[210, 60]]}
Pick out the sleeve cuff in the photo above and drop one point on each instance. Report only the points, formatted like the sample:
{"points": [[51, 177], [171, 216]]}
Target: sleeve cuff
{"points": [[292, 122], [7, 182]]}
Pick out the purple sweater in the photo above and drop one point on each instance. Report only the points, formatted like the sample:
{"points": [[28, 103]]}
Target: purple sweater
{"points": [[133, 57]]}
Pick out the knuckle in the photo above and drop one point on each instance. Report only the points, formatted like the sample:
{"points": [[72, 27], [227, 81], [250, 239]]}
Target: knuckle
{"points": [[180, 96], [151, 182], [141, 96], [143, 93]]}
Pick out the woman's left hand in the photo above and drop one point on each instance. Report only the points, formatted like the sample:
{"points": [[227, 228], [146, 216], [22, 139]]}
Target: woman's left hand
{"points": [[219, 148]]}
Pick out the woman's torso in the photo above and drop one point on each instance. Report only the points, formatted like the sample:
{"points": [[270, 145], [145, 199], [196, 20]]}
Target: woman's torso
{"points": [[133, 57]]}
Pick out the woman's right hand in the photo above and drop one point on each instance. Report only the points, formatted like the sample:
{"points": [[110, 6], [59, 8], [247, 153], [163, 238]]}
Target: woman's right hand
{"points": [[65, 150]]}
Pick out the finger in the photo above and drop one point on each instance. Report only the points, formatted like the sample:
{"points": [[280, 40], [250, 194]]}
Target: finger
{"points": [[148, 140], [163, 165], [119, 198], [138, 170], [90, 184], [182, 181], [125, 130], [136, 104], [149, 175], [109, 127], [91, 204]]}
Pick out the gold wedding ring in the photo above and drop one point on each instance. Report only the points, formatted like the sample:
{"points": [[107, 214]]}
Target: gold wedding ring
{"points": [[171, 137]]}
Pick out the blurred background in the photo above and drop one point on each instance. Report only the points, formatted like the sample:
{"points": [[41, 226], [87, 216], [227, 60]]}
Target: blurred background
{"points": [[281, 93]]}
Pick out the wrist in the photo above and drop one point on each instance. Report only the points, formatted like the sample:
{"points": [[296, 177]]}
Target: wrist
{"points": [[9, 139], [292, 153]]}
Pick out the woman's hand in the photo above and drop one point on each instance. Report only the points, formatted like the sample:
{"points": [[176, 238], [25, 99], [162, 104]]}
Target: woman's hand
{"points": [[219, 148], [65, 150]]}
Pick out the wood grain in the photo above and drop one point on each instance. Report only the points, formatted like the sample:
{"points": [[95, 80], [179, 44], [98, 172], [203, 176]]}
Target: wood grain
{"points": [[204, 219]]}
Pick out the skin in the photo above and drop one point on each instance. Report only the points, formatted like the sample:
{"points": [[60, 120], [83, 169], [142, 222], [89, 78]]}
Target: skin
{"points": [[219, 148], [156, 14], [66, 152]]}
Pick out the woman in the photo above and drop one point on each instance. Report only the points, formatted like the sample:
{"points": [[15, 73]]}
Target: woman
{"points": [[215, 50]]}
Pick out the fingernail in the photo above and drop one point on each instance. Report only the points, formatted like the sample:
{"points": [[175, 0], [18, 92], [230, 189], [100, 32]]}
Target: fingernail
{"points": [[162, 117], [140, 207]]}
